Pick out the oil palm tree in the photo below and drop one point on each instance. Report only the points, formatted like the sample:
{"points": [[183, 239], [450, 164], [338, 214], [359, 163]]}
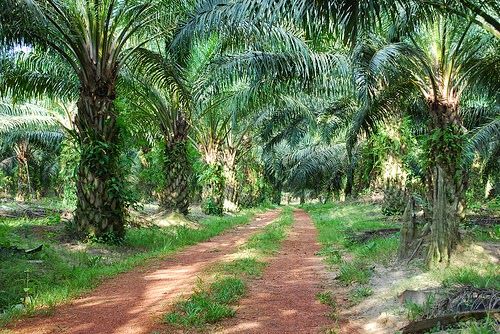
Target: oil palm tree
{"points": [[27, 129], [162, 100], [221, 135], [433, 70], [198, 74], [170, 94], [93, 39], [450, 59], [304, 142]]}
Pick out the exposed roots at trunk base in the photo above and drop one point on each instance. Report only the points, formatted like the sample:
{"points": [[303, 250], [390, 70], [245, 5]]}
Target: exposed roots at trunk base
{"points": [[447, 211]]}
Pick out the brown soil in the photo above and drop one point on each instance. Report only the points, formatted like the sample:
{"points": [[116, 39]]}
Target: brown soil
{"points": [[134, 302], [284, 300]]}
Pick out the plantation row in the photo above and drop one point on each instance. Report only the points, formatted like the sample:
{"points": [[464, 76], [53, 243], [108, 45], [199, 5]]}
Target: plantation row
{"points": [[229, 104]]}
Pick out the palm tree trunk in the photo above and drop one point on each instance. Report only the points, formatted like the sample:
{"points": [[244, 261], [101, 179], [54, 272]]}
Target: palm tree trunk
{"points": [[213, 185], [276, 193], [175, 196], [23, 176], [302, 197], [448, 202], [350, 175], [231, 190], [100, 204]]}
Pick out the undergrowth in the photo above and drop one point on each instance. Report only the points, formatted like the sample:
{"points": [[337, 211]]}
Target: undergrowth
{"points": [[489, 278]]}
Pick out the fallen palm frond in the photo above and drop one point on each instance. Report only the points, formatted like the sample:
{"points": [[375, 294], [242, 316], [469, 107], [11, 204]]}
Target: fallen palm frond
{"points": [[464, 303]]}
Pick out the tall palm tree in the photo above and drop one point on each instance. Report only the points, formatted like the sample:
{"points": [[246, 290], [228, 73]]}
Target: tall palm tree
{"points": [[166, 92], [161, 107], [449, 56], [25, 129], [199, 75], [433, 71], [94, 38]]}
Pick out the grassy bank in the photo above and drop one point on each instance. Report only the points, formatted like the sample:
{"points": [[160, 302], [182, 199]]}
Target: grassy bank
{"points": [[337, 224], [375, 282], [212, 302], [64, 269]]}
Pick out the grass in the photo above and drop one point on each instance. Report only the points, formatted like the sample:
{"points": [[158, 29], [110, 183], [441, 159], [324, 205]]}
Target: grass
{"points": [[208, 305], [415, 311], [336, 223], [248, 266], [484, 326], [354, 261], [486, 233], [487, 279], [268, 242], [354, 272], [327, 298], [59, 273], [360, 293]]}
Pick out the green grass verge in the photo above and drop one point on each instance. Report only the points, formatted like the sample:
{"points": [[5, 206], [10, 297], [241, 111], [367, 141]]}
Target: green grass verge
{"points": [[327, 298], [59, 273], [353, 261], [336, 223], [360, 293], [486, 233], [488, 278], [208, 305]]}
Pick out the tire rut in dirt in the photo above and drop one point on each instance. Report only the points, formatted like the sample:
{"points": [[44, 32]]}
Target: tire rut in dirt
{"points": [[284, 300], [134, 302]]}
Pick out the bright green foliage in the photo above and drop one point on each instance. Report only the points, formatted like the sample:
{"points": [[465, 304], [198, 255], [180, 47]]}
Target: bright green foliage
{"points": [[416, 311], [227, 290], [300, 96], [486, 326], [360, 293], [354, 272], [486, 279], [268, 242], [68, 160], [442, 146], [327, 298], [212, 181]]}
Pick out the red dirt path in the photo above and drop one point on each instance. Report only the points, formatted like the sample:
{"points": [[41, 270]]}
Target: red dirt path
{"points": [[284, 300], [133, 302]]}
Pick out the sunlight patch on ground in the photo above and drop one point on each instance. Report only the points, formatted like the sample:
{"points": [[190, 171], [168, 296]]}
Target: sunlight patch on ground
{"points": [[243, 327]]}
